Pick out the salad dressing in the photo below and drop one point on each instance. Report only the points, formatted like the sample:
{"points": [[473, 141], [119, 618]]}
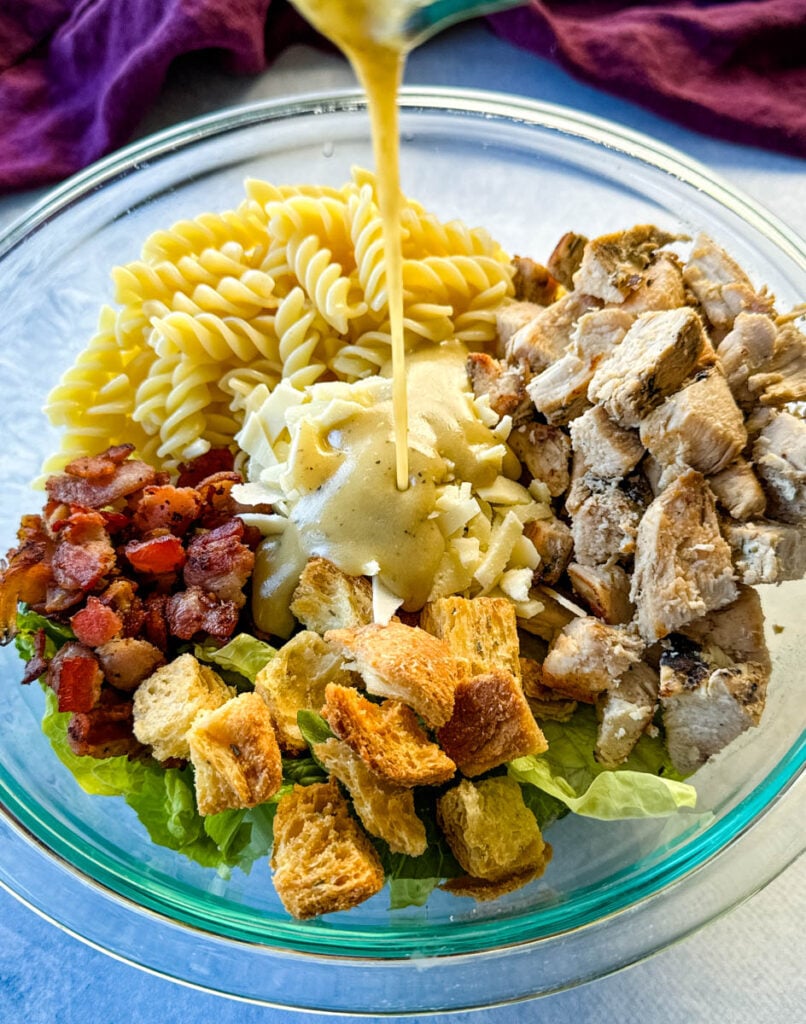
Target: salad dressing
{"points": [[371, 37]]}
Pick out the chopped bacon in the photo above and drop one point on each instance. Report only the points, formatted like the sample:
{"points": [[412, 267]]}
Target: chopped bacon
{"points": [[104, 731], [100, 467], [96, 623], [83, 554], [155, 624], [218, 505], [120, 596], [216, 460], [157, 555], [97, 492], [38, 664], [194, 611], [126, 662], [75, 677], [166, 508], [218, 561]]}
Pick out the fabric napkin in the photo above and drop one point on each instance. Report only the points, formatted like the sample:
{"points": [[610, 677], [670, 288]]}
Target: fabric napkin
{"points": [[736, 70], [76, 76]]}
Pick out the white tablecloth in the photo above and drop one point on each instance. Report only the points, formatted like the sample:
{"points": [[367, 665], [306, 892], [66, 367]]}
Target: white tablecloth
{"points": [[747, 968]]}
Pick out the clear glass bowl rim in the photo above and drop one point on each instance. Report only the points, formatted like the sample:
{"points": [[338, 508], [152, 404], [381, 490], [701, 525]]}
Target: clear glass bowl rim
{"points": [[489, 934]]}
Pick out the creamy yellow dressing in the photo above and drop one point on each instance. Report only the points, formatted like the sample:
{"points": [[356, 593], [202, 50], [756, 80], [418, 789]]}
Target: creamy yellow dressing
{"points": [[370, 35]]}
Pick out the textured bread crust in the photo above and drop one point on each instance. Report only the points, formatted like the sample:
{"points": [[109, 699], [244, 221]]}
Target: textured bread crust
{"points": [[322, 860], [491, 724], [543, 701], [490, 830], [482, 630], [404, 663], [235, 755], [295, 680], [386, 810], [482, 890], [327, 598], [166, 704], [387, 737]]}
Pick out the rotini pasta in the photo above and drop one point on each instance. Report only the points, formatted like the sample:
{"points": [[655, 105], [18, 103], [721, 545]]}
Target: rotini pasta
{"points": [[290, 285]]}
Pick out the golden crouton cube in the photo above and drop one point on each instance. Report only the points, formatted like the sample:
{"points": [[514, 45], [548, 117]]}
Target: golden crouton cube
{"points": [[322, 860], [295, 680], [166, 704], [387, 737], [491, 831], [482, 630], [235, 755], [386, 810], [403, 663], [543, 701], [327, 598], [491, 724]]}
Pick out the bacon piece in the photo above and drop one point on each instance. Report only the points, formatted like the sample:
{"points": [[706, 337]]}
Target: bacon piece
{"points": [[193, 610], [120, 596], [157, 555], [75, 677], [129, 476], [38, 664], [218, 505], [106, 730], [218, 561], [166, 508], [96, 623], [216, 460], [83, 554], [101, 466], [155, 624], [127, 661]]}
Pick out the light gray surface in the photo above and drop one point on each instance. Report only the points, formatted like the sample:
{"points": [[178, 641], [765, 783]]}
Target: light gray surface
{"points": [[747, 967]]}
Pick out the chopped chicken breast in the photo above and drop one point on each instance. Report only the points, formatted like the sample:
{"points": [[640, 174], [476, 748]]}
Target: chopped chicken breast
{"points": [[544, 339], [589, 656], [747, 347], [779, 452], [603, 447], [615, 266], [766, 551], [605, 526], [545, 451], [625, 710], [605, 589], [720, 285], [738, 491]]}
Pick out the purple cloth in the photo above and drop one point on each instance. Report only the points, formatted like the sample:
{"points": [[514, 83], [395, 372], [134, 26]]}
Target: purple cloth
{"points": [[76, 76], [736, 70]]}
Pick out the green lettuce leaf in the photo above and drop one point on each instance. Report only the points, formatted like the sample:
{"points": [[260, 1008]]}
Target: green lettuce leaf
{"points": [[646, 785], [28, 625], [239, 660]]}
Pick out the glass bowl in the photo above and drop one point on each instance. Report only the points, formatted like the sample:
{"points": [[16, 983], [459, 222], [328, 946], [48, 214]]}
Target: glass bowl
{"points": [[614, 892]]}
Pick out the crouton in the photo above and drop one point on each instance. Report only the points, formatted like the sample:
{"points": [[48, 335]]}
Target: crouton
{"points": [[166, 704], [295, 680], [482, 890], [322, 860], [491, 724], [491, 831], [387, 737], [327, 598], [404, 663], [235, 755], [542, 700], [386, 810], [482, 630]]}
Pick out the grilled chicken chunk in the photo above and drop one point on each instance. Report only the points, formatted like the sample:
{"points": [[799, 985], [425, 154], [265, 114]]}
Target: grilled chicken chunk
{"points": [[615, 266], [510, 317], [544, 339], [566, 258], [783, 378], [503, 385], [554, 542], [662, 287], [721, 286], [605, 589], [625, 711], [766, 551], [747, 347], [737, 630], [706, 706], [780, 457], [560, 391], [659, 352], [545, 451], [533, 282], [602, 447], [605, 526], [682, 564], [738, 490], [700, 425], [588, 657]]}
